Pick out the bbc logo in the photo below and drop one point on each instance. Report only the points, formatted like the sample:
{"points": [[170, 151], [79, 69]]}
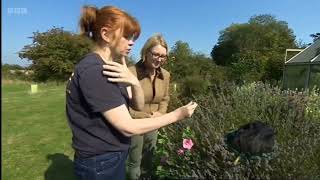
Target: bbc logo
{"points": [[17, 11]]}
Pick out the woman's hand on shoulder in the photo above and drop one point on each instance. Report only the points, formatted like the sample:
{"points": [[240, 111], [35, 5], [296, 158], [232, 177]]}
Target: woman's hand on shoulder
{"points": [[119, 73]]}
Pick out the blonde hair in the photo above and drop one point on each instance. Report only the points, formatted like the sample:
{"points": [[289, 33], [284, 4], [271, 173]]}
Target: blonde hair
{"points": [[93, 19], [156, 39]]}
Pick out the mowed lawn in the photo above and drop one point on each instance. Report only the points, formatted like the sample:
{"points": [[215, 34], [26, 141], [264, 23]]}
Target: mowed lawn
{"points": [[36, 139]]}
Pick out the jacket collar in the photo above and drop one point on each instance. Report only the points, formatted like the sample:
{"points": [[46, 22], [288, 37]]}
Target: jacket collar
{"points": [[142, 73]]}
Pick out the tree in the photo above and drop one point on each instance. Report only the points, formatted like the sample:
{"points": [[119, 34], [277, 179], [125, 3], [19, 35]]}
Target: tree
{"points": [[181, 50], [179, 60], [262, 42], [7, 67], [194, 72], [54, 53], [315, 36]]}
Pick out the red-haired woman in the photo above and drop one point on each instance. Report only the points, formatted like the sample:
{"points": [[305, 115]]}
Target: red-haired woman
{"points": [[97, 101]]}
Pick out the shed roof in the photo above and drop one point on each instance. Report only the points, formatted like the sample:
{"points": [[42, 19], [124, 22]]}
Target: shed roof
{"points": [[308, 55]]}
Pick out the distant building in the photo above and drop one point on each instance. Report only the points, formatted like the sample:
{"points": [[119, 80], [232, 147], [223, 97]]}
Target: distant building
{"points": [[25, 72], [302, 71]]}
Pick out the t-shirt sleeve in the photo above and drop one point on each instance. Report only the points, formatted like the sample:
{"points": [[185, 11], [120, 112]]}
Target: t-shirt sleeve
{"points": [[100, 94]]}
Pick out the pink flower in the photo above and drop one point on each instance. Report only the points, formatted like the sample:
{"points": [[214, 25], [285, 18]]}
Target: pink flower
{"points": [[180, 151], [187, 144]]}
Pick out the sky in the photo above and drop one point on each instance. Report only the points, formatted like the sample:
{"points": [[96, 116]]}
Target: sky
{"points": [[197, 22]]}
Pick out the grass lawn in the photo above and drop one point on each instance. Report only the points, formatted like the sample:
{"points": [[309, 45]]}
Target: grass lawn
{"points": [[36, 139]]}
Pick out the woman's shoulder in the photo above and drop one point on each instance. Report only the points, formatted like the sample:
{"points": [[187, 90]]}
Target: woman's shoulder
{"points": [[165, 72], [89, 61], [91, 58]]}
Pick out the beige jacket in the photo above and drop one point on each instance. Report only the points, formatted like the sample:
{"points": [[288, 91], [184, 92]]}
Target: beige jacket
{"points": [[156, 94]]}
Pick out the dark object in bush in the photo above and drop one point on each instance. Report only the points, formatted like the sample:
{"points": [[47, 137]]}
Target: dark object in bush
{"points": [[252, 139]]}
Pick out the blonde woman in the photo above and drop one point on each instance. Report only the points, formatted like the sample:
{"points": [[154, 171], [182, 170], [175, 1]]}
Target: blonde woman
{"points": [[154, 81]]}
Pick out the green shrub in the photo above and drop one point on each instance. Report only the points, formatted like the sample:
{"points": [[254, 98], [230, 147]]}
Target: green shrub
{"points": [[297, 150], [54, 54], [313, 105]]}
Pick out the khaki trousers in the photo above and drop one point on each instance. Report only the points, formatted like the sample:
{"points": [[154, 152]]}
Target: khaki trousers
{"points": [[139, 162]]}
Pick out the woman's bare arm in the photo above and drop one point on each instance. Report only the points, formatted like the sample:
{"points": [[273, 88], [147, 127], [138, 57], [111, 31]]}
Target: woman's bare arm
{"points": [[120, 118]]}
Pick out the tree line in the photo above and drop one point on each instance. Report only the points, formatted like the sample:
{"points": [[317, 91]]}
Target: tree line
{"points": [[251, 51]]}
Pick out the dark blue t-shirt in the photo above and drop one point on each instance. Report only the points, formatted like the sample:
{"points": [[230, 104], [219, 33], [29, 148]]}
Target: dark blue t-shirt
{"points": [[89, 94]]}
